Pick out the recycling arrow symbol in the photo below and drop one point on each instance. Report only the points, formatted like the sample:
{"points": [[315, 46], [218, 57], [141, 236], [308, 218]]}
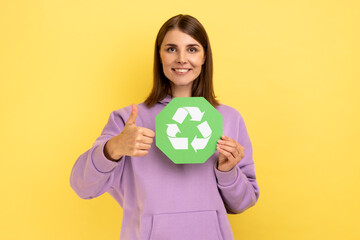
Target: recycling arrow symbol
{"points": [[182, 142], [191, 124]]}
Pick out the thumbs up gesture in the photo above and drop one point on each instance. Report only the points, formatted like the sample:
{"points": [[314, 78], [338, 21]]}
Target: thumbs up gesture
{"points": [[132, 141]]}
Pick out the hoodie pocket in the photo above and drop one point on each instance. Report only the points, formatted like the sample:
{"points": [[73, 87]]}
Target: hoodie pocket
{"points": [[186, 226]]}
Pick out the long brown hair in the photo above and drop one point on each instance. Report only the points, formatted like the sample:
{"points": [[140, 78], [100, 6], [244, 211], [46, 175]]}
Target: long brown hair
{"points": [[203, 84]]}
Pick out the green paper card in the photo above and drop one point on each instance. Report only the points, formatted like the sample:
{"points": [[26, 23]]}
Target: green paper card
{"points": [[187, 130]]}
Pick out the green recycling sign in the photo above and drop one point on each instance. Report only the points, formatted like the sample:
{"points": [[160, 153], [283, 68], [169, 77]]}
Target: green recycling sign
{"points": [[187, 130]]}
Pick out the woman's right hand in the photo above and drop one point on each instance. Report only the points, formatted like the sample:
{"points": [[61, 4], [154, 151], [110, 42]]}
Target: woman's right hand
{"points": [[132, 141]]}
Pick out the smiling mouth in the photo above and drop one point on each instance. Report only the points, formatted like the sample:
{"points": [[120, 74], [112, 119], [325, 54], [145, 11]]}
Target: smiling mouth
{"points": [[181, 70]]}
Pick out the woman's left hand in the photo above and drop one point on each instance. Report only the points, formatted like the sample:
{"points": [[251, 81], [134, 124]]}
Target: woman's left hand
{"points": [[230, 153]]}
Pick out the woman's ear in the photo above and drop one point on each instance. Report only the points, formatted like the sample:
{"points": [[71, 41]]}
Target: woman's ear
{"points": [[204, 58]]}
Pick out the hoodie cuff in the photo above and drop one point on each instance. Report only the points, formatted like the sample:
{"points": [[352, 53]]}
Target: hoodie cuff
{"points": [[226, 178], [101, 163]]}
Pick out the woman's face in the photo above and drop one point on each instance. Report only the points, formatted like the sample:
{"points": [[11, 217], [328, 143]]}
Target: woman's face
{"points": [[181, 57]]}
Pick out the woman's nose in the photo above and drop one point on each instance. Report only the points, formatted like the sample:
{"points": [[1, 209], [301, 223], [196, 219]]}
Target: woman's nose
{"points": [[181, 57]]}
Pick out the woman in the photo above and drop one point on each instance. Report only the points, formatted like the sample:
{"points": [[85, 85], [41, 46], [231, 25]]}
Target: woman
{"points": [[160, 199]]}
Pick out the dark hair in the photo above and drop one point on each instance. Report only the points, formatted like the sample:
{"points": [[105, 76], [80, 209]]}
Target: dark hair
{"points": [[203, 84]]}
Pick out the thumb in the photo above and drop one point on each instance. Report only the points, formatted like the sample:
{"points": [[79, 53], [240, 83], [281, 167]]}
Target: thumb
{"points": [[133, 115]]}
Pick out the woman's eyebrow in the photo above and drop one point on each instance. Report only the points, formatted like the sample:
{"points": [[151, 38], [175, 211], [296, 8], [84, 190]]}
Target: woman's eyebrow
{"points": [[189, 45], [193, 45]]}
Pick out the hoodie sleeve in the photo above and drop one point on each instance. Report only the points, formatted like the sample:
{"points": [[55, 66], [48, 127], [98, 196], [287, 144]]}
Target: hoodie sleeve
{"points": [[92, 173], [238, 187]]}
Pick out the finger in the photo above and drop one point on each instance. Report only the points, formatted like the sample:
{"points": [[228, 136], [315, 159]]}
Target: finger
{"points": [[228, 143], [143, 146], [228, 139], [228, 155], [148, 132], [231, 150], [140, 153], [223, 137], [231, 142], [147, 140], [133, 115]]}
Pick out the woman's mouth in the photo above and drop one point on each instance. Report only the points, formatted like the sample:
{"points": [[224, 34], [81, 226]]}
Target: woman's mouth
{"points": [[181, 70]]}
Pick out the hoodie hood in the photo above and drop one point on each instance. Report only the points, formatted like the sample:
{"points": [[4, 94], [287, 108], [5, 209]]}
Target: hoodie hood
{"points": [[166, 100]]}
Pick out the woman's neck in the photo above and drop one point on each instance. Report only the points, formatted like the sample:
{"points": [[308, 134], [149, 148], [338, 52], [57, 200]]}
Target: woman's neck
{"points": [[181, 91]]}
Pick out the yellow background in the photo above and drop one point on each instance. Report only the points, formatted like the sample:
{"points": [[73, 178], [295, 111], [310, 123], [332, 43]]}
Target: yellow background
{"points": [[290, 67]]}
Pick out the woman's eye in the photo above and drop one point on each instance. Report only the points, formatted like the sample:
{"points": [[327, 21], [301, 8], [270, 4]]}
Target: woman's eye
{"points": [[171, 49], [192, 50]]}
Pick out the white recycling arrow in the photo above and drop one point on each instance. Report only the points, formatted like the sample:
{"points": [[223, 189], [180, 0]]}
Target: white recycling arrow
{"points": [[179, 143], [205, 129], [172, 130], [180, 115], [199, 143], [195, 113]]}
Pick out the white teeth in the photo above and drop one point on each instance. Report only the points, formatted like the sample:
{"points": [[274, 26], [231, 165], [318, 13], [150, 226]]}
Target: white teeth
{"points": [[181, 70]]}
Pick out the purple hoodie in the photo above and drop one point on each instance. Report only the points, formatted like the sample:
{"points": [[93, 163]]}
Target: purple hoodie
{"points": [[163, 200]]}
